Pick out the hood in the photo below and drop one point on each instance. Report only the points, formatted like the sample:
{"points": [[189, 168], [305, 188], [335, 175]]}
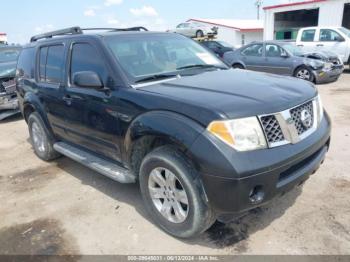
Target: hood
{"points": [[237, 93], [325, 56], [8, 69]]}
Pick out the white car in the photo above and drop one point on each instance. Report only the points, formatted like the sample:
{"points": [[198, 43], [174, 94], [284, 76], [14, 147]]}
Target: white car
{"points": [[193, 29], [334, 39]]}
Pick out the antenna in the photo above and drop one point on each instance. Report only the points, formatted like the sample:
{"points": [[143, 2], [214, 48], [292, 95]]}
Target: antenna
{"points": [[258, 4]]}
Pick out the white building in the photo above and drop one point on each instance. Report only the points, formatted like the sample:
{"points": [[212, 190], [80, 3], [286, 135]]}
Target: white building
{"points": [[235, 32], [283, 21], [3, 38]]}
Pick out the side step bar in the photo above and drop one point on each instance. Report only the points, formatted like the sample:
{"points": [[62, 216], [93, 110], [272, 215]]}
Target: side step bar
{"points": [[100, 165]]}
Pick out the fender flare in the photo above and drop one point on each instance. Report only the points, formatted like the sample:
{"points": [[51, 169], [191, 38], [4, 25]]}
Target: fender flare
{"points": [[33, 101], [180, 130]]}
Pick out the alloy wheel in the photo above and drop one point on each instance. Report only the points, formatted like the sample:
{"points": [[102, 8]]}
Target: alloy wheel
{"points": [[168, 195], [38, 137], [303, 74]]}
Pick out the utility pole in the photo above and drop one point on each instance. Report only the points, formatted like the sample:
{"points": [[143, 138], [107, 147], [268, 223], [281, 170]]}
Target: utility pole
{"points": [[258, 4]]}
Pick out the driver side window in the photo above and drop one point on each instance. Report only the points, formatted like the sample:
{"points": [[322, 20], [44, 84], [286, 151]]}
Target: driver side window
{"points": [[327, 35], [86, 58], [273, 51]]}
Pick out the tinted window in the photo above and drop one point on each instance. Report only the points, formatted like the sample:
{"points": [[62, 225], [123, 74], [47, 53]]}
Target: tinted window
{"points": [[273, 51], [25, 64], [42, 63], [83, 62], [253, 50], [54, 64], [308, 35], [327, 35]]}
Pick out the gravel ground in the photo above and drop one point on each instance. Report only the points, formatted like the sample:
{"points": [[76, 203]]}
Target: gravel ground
{"points": [[64, 208]]}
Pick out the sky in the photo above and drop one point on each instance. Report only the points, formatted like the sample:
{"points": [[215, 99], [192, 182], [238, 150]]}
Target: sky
{"points": [[23, 19]]}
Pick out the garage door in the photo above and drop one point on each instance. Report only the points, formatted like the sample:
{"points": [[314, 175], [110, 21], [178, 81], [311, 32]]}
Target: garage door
{"points": [[288, 23]]}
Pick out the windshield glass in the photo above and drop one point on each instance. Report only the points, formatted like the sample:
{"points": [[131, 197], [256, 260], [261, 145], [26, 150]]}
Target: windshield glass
{"points": [[293, 49], [8, 55], [225, 44], [345, 31], [143, 55]]}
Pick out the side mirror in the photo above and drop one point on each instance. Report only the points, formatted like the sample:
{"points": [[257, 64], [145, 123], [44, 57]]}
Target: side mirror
{"points": [[87, 79], [284, 55]]}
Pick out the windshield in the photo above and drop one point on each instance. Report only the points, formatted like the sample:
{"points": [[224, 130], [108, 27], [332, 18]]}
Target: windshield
{"points": [[345, 31], [143, 55], [8, 55], [293, 49], [224, 44]]}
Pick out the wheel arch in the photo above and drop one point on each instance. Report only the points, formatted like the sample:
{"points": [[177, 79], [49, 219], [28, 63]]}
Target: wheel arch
{"points": [[155, 129]]}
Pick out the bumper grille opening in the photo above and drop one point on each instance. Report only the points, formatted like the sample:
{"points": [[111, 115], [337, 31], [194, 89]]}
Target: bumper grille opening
{"points": [[292, 170]]}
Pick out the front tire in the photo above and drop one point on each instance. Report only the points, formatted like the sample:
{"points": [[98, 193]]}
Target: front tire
{"points": [[40, 138], [237, 66], [304, 73], [173, 195]]}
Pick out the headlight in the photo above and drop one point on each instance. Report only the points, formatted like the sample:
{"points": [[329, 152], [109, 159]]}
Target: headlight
{"points": [[320, 110], [328, 66], [243, 134], [316, 65]]}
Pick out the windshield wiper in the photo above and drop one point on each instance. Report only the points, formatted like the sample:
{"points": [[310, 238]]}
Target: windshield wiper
{"points": [[199, 66], [156, 77]]}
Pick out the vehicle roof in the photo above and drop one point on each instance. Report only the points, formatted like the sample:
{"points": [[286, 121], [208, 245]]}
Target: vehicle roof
{"points": [[98, 35], [321, 27]]}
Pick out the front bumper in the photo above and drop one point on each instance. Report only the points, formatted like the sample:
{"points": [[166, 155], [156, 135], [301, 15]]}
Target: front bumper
{"points": [[236, 182], [8, 105], [323, 77]]}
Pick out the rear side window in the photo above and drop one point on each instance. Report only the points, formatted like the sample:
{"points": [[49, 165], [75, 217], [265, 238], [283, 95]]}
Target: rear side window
{"points": [[308, 35], [42, 63], [253, 50], [86, 58], [25, 65], [54, 64]]}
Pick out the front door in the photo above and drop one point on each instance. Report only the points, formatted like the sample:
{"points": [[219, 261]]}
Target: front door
{"points": [[92, 119], [277, 60], [332, 41]]}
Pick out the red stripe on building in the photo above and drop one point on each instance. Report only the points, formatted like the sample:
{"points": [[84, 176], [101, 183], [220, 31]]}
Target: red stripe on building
{"points": [[293, 4]]}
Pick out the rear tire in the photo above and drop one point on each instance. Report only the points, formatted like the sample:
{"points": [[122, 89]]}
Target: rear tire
{"points": [[40, 138], [304, 73], [181, 211]]}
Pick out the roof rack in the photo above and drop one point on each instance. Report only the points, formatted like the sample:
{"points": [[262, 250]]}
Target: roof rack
{"points": [[77, 31]]}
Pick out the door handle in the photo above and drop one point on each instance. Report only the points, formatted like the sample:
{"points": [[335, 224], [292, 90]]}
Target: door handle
{"points": [[300, 45], [68, 99], [319, 45]]}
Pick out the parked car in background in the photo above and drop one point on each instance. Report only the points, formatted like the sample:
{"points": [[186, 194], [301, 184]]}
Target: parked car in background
{"points": [[285, 58], [193, 29], [218, 47], [203, 141], [8, 97], [334, 39]]}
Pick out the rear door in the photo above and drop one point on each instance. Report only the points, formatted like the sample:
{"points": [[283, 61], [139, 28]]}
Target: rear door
{"points": [[50, 79], [92, 118], [307, 40], [253, 57], [331, 41]]}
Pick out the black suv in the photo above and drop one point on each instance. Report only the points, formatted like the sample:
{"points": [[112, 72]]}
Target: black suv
{"points": [[204, 141]]}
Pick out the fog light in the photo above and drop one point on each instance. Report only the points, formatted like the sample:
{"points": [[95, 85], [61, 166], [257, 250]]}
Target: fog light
{"points": [[257, 195]]}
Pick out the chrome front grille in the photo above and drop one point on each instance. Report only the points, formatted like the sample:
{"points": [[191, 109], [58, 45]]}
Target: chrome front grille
{"points": [[290, 126], [296, 116], [272, 129]]}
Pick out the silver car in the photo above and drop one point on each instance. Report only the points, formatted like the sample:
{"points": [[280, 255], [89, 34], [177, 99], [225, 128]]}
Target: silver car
{"points": [[285, 58], [193, 29]]}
